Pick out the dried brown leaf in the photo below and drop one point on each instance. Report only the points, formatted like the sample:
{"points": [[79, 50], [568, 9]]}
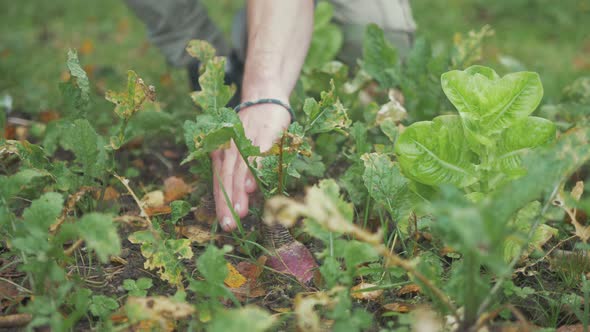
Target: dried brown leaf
{"points": [[195, 233], [400, 307], [155, 211], [578, 190], [252, 270], [175, 188], [409, 289]]}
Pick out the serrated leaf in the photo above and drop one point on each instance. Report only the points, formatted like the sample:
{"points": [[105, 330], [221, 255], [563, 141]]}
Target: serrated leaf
{"points": [[32, 234], [100, 234], [131, 100], [201, 50], [81, 138], [387, 186], [212, 264], [489, 104], [435, 152], [327, 115], [102, 306], [354, 252], [81, 79], [137, 287], [211, 131], [163, 256], [179, 210], [12, 185], [521, 224], [379, 57], [520, 138], [214, 93]]}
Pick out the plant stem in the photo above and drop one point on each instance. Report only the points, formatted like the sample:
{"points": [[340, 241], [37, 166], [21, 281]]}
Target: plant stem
{"points": [[280, 168], [470, 296]]}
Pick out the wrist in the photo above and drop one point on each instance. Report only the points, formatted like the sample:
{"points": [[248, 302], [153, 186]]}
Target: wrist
{"points": [[269, 103]]}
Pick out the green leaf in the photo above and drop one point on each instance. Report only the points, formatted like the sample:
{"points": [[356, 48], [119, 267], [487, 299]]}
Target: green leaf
{"points": [[248, 318], [489, 104], [81, 138], [179, 210], [546, 168], [212, 263], [100, 234], [102, 306], [201, 50], [131, 100], [81, 79], [327, 115], [387, 186], [211, 131], [163, 255], [354, 252], [327, 38], [520, 138], [379, 57], [214, 93], [521, 224], [137, 287], [435, 152], [12, 185], [33, 233]]}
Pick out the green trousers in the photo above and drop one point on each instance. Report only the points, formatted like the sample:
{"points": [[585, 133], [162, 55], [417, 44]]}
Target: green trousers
{"points": [[172, 23]]}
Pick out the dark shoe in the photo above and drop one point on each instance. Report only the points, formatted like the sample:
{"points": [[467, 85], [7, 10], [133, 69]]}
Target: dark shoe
{"points": [[234, 72]]}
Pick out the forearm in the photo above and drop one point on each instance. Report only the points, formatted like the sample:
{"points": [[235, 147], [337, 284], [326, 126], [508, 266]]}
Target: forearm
{"points": [[279, 34]]}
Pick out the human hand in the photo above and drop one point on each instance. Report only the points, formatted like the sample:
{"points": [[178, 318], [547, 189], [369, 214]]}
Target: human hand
{"points": [[263, 125]]}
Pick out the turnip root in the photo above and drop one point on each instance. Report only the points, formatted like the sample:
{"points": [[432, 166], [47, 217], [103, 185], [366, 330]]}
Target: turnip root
{"points": [[289, 256]]}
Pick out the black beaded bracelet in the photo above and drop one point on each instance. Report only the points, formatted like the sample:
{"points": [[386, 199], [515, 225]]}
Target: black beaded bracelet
{"points": [[266, 101]]}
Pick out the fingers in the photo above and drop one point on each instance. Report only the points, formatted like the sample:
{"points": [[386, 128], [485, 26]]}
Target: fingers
{"points": [[250, 183], [223, 164], [240, 195], [217, 160]]}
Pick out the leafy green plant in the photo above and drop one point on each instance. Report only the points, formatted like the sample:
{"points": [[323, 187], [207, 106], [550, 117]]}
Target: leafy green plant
{"points": [[481, 148], [218, 124], [137, 287]]}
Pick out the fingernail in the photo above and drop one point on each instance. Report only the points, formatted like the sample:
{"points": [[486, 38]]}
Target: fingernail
{"points": [[248, 183], [225, 222], [237, 207]]}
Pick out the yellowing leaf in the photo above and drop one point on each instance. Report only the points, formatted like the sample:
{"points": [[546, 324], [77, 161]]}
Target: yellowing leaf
{"points": [[234, 279], [359, 294], [131, 100], [160, 310], [307, 318], [163, 256]]}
